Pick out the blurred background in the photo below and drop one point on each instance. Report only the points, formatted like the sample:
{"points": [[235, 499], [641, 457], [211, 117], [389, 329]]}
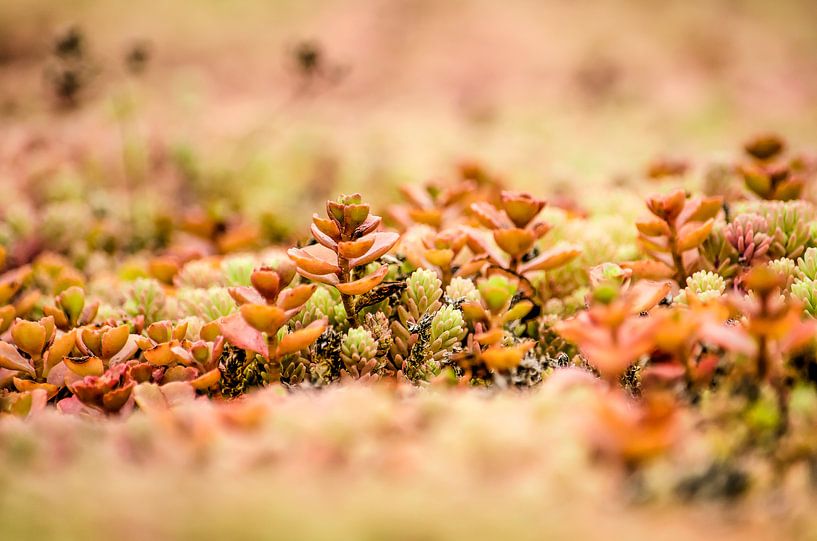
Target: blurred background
{"points": [[274, 105]]}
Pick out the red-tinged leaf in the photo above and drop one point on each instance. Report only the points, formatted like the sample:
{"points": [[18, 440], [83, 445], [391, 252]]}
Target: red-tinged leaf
{"points": [[267, 282], [645, 295], [649, 269], [113, 341], [263, 317], [439, 257], [730, 338], [326, 226], [505, 358], [653, 228], [10, 358], [322, 237], [323, 263], [370, 224], [296, 297], [182, 355], [432, 217], [85, 366], [161, 355], [303, 338], [383, 242], [693, 234], [246, 295], [365, 284], [489, 216], [473, 311], [551, 259], [73, 406], [416, 195], [206, 380], [26, 385], [127, 351], [355, 248], [520, 207], [240, 334], [488, 338], [480, 242], [330, 279], [703, 209], [659, 244], [514, 241]]}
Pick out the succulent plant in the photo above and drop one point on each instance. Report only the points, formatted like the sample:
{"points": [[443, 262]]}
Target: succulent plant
{"points": [[704, 286], [208, 304], [145, 297], [358, 351], [265, 310], [673, 235], [515, 231], [347, 240]]}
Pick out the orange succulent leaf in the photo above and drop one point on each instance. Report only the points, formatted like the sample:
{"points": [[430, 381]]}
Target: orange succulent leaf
{"points": [[521, 207], [658, 244], [693, 234], [326, 226], [313, 260], [383, 241], [514, 241], [330, 279], [84, 366], [488, 338], [161, 355], [322, 237], [206, 380], [25, 385], [653, 228], [505, 358], [634, 431], [702, 209], [246, 295], [370, 224], [267, 282], [263, 317], [427, 216], [649, 269], [113, 341], [800, 334], [645, 295], [489, 216], [788, 189], [669, 206], [482, 244], [61, 347], [355, 248], [439, 257], [30, 336], [240, 334], [296, 296], [303, 338], [365, 284], [11, 359], [550, 259]]}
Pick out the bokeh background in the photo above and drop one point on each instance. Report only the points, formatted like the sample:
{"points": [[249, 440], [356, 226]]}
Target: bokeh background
{"points": [[297, 100], [560, 89]]}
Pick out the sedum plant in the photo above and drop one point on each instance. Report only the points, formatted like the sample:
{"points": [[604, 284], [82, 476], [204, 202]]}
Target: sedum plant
{"points": [[348, 240], [673, 235], [266, 308], [514, 230]]}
